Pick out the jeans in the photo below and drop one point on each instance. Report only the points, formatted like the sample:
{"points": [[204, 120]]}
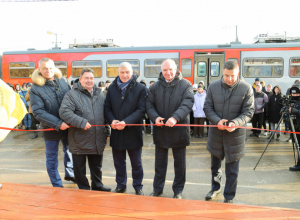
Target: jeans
{"points": [[52, 161], [27, 121], [273, 128]]}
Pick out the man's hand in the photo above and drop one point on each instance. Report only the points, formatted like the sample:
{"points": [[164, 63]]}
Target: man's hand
{"points": [[87, 126], [121, 125], [171, 122], [159, 121], [64, 126], [221, 124], [231, 124], [113, 124]]}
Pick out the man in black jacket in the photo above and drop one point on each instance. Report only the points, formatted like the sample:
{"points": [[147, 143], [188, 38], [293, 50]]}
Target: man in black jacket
{"points": [[46, 95], [126, 104], [228, 101], [82, 107], [169, 102]]}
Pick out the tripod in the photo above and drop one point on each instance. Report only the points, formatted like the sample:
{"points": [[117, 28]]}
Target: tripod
{"points": [[295, 141]]}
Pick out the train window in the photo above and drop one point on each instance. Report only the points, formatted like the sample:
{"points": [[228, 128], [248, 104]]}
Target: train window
{"points": [[21, 69], [295, 67], [186, 67], [62, 66], [95, 65], [262, 67], [214, 68], [113, 65], [233, 59], [202, 68], [153, 67]]}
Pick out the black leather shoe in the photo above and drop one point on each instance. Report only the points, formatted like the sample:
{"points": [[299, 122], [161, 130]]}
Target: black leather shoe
{"points": [[70, 179], [295, 168], [252, 135], [228, 201], [139, 192], [177, 196], [289, 140], [156, 194], [200, 136], [35, 135], [212, 194], [103, 188], [117, 190], [196, 136]]}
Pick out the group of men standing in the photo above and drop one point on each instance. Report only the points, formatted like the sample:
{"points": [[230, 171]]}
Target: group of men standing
{"points": [[82, 118]]}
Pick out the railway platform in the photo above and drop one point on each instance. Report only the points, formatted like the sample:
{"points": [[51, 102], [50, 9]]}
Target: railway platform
{"points": [[20, 201]]}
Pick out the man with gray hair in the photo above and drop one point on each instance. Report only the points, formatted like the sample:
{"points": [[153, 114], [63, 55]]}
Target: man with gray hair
{"points": [[170, 102], [126, 104], [229, 101], [46, 94], [82, 107]]}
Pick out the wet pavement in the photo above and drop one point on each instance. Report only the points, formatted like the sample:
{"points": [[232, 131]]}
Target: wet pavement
{"points": [[22, 160]]}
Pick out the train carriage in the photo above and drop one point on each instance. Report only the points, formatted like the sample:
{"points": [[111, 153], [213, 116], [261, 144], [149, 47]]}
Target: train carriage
{"points": [[275, 63]]}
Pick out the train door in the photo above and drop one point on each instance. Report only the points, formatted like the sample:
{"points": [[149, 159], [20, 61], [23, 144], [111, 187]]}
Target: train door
{"points": [[208, 68]]}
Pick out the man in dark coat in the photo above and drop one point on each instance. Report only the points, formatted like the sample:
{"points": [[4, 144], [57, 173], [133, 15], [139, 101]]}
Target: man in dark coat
{"points": [[274, 107], [295, 110], [170, 102], [231, 101], [126, 104], [82, 107], [46, 95]]}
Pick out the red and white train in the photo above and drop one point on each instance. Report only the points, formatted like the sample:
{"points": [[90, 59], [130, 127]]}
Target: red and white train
{"points": [[275, 63]]}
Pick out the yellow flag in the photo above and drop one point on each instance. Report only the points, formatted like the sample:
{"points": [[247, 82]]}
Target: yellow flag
{"points": [[12, 109]]}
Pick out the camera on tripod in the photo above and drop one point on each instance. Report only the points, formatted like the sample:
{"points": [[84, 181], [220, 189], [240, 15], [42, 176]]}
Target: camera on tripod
{"points": [[286, 102]]}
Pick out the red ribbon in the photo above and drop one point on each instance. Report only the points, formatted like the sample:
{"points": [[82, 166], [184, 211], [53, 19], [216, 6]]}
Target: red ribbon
{"points": [[177, 125]]}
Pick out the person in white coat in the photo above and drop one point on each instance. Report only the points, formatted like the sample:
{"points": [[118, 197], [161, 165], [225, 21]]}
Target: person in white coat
{"points": [[199, 114]]}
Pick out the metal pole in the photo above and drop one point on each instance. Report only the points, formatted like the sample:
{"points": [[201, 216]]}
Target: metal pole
{"points": [[56, 42]]}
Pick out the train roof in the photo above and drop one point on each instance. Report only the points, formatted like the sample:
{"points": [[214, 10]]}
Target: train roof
{"points": [[153, 48]]}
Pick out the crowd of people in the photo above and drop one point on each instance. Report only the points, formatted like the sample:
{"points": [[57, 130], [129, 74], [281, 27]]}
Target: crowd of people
{"points": [[74, 110]]}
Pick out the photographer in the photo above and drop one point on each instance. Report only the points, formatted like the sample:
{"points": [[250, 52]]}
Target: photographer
{"points": [[295, 110]]}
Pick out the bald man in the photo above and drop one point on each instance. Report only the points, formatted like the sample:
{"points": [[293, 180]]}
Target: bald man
{"points": [[169, 102]]}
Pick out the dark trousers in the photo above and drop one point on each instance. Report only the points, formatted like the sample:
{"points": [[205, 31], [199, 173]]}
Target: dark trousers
{"points": [[264, 124], [161, 164], [257, 121], [199, 130], [136, 165], [231, 171], [95, 165], [33, 122]]}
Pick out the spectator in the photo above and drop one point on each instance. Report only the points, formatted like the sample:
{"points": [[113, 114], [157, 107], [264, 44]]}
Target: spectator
{"points": [[34, 122], [266, 112], [274, 109], [27, 117], [260, 101], [199, 114], [263, 84]]}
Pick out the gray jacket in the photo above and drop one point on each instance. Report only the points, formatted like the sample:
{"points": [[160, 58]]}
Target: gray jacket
{"points": [[236, 104], [79, 107], [171, 100]]}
